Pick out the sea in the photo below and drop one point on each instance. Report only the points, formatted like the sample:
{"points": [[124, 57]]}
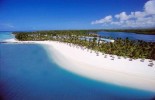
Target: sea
{"points": [[131, 36], [27, 73]]}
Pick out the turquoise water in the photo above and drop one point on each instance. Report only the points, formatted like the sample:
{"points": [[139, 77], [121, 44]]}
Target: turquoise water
{"points": [[27, 73], [6, 35], [132, 36]]}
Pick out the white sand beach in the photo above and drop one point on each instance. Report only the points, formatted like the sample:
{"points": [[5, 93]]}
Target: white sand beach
{"points": [[122, 72]]}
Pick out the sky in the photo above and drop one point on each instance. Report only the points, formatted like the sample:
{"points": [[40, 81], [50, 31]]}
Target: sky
{"points": [[16, 15]]}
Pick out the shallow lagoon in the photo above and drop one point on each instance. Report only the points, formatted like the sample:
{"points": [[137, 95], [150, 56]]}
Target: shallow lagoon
{"points": [[6, 35], [27, 73]]}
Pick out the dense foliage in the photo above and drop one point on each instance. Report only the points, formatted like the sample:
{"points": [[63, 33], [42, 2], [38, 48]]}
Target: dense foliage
{"points": [[138, 31], [121, 47]]}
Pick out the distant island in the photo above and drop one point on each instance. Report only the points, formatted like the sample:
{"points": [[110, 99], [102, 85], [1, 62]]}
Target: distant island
{"points": [[90, 40], [137, 31]]}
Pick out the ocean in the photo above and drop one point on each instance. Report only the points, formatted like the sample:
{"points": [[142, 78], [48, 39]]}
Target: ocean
{"points": [[27, 73]]}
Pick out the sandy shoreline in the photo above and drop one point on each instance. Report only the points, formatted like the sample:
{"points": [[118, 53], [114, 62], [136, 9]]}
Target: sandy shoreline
{"points": [[134, 74]]}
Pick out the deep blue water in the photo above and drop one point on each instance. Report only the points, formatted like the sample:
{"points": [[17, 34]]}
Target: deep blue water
{"points": [[27, 73], [132, 36]]}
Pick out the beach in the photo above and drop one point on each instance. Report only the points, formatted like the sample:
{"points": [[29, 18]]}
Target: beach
{"points": [[122, 72]]}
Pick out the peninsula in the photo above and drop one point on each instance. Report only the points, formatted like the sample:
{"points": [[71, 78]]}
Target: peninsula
{"points": [[93, 58]]}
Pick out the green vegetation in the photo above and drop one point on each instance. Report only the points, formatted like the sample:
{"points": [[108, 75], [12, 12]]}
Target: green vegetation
{"points": [[121, 47], [138, 31]]}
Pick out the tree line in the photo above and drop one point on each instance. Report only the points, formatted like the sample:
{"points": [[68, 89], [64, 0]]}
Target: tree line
{"points": [[121, 47], [137, 31]]}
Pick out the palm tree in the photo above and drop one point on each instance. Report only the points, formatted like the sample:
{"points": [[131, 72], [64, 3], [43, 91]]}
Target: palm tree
{"points": [[121, 47]]}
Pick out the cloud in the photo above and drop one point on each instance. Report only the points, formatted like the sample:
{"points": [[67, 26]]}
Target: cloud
{"points": [[139, 14], [124, 16], [7, 25], [145, 18], [150, 7], [107, 19]]}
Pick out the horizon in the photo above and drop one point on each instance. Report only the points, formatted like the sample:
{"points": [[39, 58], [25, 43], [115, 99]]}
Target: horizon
{"points": [[25, 15], [76, 29]]}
